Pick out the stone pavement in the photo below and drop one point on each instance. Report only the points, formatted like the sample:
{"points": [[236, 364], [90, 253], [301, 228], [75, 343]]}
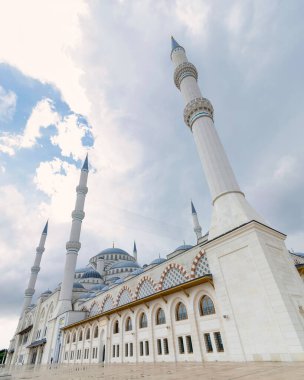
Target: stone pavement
{"points": [[170, 371]]}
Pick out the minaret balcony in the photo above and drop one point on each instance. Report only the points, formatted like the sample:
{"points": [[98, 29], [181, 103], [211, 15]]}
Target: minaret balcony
{"points": [[197, 108], [182, 71]]}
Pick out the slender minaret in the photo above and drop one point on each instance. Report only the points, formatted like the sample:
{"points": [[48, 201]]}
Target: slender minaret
{"points": [[231, 209], [73, 245], [29, 292], [135, 251], [196, 225]]}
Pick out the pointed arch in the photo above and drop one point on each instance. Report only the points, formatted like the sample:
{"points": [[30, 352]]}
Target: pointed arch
{"points": [[124, 296], [107, 303], [200, 265], [145, 287], [94, 309], [174, 274]]}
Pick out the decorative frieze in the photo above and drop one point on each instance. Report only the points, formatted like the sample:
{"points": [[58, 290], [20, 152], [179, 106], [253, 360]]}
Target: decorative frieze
{"points": [[78, 214], [182, 71], [197, 108], [73, 246]]}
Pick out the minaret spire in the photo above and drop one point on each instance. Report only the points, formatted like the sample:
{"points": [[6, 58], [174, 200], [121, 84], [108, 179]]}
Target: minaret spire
{"points": [[73, 245], [196, 225], [29, 292], [135, 251], [231, 209]]}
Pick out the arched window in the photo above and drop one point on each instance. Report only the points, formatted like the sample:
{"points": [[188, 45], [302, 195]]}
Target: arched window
{"points": [[96, 332], [80, 336], [74, 338], [116, 328], [181, 312], [68, 338], [160, 317], [128, 324], [143, 322], [206, 306], [88, 334]]}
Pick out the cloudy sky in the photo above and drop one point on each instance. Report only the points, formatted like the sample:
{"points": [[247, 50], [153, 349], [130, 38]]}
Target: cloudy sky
{"points": [[96, 77]]}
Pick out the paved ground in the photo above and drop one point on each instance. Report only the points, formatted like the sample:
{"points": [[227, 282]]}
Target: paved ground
{"points": [[181, 371]]}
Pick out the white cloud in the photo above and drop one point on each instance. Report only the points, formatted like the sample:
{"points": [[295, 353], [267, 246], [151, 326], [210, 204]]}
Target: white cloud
{"points": [[42, 116], [68, 137], [194, 15], [37, 36], [8, 100]]}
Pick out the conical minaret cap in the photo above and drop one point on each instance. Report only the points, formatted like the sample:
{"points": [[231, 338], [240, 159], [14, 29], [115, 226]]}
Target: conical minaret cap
{"points": [[85, 165], [45, 230], [175, 45], [134, 247], [193, 208]]}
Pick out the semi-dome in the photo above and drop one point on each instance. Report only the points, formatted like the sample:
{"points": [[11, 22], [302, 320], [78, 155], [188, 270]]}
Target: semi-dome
{"points": [[87, 295], [82, 270], [91, 274], [125, 264], [183, 247], [298, 254], [159, 260], [113, 279], [137, 272], [98, 287], [114, 250], [119, 281], [77, 285]]}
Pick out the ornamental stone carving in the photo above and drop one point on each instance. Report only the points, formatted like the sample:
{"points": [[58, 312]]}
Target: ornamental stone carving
{"points": [[81, 190], [73, 246], [78, 214], [184, 70], [197, 108]]}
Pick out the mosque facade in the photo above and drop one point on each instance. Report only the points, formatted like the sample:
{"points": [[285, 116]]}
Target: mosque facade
{"points": [[237, 295]]}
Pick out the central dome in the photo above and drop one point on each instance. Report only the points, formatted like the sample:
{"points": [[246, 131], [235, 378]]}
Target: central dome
{"points": [[114, 250]]}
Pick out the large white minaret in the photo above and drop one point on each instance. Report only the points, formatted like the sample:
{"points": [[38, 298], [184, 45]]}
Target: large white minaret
{"points": [[73, 245], [29, 292], [196, 225], [230, 208], [258, 291]]}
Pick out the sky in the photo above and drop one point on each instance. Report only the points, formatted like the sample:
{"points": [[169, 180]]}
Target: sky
{"points": [[95, 77]]}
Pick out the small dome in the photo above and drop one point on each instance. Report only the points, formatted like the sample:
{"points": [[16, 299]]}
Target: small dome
{"points": [[114, 250], [46, 293], [184, 247], [125, 264], [91, 274], [137, 272], [98, 287], [157, 261], [77, 285], [82, 270]]}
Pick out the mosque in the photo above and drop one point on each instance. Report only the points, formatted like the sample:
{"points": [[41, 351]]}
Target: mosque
{"points": [[237, 295]]}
